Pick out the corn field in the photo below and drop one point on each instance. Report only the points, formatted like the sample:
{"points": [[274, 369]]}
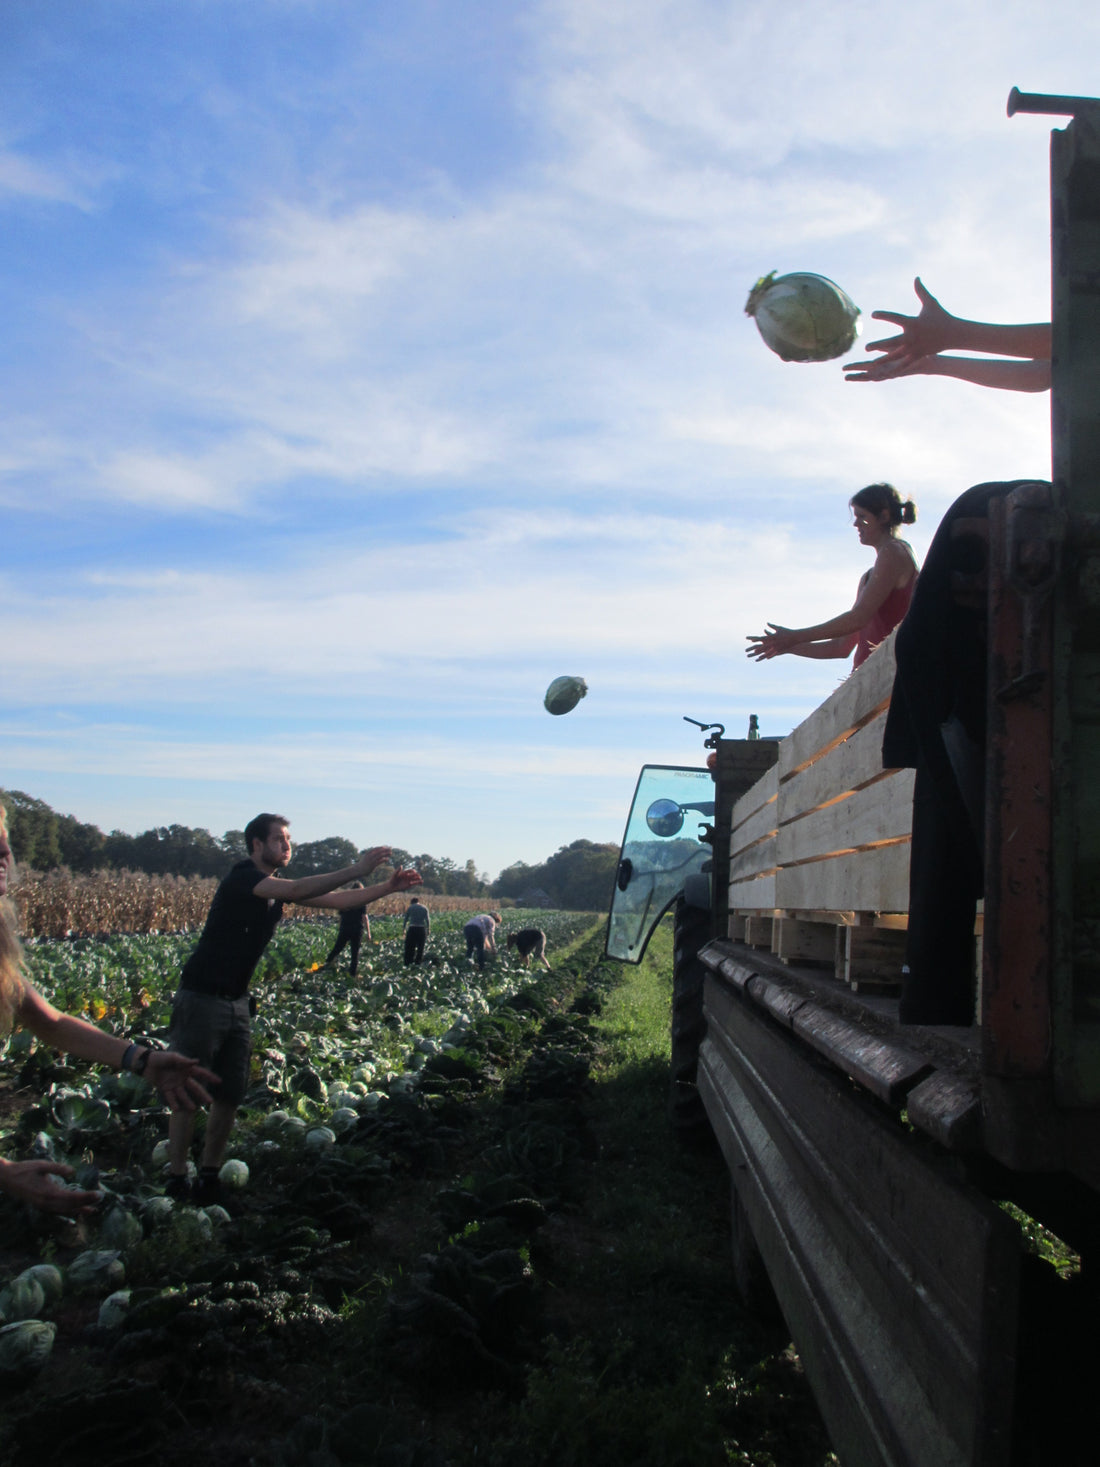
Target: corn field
{"points": [[61, 904]]}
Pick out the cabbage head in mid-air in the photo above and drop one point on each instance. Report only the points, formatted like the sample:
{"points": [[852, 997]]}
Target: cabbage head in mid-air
{"points": [[803, 317], [563, 694]]}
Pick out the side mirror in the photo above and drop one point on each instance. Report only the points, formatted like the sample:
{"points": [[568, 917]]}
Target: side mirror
{"points": [[665, 818]]}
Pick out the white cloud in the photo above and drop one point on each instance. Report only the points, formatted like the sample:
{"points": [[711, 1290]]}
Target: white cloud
{"points": [[22, 178], [158, 480]]}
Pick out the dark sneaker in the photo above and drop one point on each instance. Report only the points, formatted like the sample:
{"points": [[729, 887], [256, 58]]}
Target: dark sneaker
{"points": [[207, 1190], [178, 1188]]}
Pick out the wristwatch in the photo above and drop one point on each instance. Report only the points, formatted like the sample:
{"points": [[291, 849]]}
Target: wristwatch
{"points": [[135, 1059]]}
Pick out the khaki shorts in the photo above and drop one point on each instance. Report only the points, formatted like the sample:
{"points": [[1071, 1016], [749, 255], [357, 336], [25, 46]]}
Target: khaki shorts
{"points": [[218, 1033]]}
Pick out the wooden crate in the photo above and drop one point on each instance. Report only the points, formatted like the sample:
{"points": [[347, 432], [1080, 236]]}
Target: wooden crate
{"points": [[820, 844], [819, 847]]}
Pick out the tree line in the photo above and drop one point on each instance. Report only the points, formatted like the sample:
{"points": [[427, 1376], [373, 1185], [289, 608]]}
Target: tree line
{"points": [[578, 877]]}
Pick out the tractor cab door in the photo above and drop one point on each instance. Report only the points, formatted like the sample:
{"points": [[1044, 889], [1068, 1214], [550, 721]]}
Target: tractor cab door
{"points": [[666, 843]]}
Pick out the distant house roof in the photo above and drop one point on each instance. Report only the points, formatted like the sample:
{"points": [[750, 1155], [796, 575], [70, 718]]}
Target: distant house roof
{"points": [[534, 896]]}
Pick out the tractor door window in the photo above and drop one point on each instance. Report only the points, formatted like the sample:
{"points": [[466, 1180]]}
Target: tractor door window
{"points": [[661, 847]]}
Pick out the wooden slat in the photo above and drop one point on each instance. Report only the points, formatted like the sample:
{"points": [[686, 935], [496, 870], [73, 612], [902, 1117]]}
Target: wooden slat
{"points": [[896, 920], [883, 811], [871, 953], [765, 789], [762, 822], [824, 914], [889, 1070], [758, 858], [948, 1108], [753, 895], [870, 881], [865, 692], [782, 1003], [852, 764], [758, 932], [796, 941]]}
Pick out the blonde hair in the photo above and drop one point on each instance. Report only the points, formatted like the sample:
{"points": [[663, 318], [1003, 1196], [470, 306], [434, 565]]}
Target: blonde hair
{"points": [[11, 955]]}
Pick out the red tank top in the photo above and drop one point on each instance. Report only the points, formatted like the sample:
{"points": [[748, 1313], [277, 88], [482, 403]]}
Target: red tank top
{"points": [[884, 621]]}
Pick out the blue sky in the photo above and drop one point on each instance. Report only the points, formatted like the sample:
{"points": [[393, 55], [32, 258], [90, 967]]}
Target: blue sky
{"points": [[364, 366]]}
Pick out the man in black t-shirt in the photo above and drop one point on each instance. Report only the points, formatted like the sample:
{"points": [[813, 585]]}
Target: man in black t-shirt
{"points": [[210, 1013]]}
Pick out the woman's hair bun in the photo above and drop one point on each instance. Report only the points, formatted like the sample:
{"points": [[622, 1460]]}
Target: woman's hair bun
{"points": [[879, 497]]}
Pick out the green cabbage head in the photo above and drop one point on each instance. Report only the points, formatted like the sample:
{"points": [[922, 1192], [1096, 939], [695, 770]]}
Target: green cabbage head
{"points": [[234, 1173], [25, 1346], [563, 694], [803, 317], [23, 1298]]}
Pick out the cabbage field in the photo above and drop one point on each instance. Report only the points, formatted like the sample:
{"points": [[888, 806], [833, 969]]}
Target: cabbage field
{"points": [[459, 1234], [354, 1084]]}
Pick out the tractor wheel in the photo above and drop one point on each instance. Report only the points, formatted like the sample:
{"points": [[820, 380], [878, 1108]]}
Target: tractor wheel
{"points": [[691, 932]]}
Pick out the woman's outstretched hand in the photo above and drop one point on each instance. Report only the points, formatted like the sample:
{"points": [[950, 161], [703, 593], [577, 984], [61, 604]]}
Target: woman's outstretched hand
{"points": [[772, 643], [924, 335]]}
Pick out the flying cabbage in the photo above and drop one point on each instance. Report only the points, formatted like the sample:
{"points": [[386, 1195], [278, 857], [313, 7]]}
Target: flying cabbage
{"points": [[803, 317], [563, 694]]}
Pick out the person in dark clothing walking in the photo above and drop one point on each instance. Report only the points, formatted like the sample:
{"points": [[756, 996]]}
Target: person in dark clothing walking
{"points": [[417, 925], [354, 924]]}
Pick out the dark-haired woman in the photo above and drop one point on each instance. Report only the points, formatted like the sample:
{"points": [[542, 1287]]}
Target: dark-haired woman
{"points": [[884, 591]]}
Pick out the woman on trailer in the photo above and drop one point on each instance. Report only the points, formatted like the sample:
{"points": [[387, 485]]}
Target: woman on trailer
{"points": [[884, 591]]}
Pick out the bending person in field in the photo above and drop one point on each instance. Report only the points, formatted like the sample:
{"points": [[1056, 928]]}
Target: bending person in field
{"points": [[529, 942], [925, 337], [884, 591], [180, 1080], [480, 934], [211, 1012]]}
